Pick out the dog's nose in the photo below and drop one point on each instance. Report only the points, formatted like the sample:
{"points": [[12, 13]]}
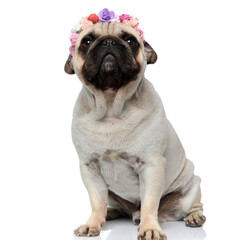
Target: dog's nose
{"points": [[108, 42]]}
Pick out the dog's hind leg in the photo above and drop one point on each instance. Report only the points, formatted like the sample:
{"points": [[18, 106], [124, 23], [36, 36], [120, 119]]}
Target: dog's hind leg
{"points": [[120, 208], [195, 217], [113, 213], [192, 206], [181, 204]]}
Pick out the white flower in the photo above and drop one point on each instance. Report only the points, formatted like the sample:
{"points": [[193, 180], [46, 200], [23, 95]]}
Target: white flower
{"points": [[116, 19], [76, 28]]}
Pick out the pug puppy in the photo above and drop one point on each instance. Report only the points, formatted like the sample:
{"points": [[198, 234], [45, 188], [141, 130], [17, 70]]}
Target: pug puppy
{"points": [[131, 159]]}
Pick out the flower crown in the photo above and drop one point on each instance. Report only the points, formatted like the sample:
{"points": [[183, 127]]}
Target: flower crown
{"points": [[104, 16]]}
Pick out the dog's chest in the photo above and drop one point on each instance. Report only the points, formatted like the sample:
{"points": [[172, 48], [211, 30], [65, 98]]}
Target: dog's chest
{"points": [[122, 134], [120, 172]]}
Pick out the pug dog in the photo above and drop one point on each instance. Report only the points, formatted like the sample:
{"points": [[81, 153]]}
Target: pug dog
{"points": [[131, 159]]}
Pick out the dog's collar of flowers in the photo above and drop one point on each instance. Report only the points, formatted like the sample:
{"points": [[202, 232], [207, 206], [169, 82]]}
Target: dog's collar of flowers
{"points": [[104, 16]]}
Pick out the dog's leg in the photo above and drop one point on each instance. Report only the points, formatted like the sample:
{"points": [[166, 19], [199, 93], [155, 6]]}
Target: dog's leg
{"points": [[183, 204], [195, 217], [151, 176], [113, 213], [98, 195], [118, 207], [136, 217]]}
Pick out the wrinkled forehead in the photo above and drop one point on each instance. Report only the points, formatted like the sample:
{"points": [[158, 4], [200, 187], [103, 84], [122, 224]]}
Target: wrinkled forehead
{"points": [[110, 28]]}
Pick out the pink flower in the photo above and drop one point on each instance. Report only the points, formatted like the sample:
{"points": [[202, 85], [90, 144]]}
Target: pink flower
{"points": [[140, 32], [85, 23], [134, 22], [73, 38], [124, 17], [71, 49], [127, 22]]}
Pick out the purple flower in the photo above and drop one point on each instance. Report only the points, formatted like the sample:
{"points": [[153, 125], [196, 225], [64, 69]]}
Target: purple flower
{"points": [[105, 15]]}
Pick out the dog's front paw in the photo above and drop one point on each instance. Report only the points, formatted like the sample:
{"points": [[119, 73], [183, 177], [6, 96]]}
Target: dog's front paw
{"points": [[151, 232], [152, 235], [87, 231], [92, 228]]}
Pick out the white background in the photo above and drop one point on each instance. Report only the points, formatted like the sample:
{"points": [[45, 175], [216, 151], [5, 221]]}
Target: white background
{"points": [[197, 76]]}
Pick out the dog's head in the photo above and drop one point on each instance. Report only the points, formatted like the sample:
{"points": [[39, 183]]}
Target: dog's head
{"points": [[109, 55]]}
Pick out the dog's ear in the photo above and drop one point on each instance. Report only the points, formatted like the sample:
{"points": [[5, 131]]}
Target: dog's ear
{"points": [[150, 53], [68, 68]]}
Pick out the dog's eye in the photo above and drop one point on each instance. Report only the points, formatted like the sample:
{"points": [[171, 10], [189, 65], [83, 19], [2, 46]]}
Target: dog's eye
{"points": [[86, 42], [132, 42]]}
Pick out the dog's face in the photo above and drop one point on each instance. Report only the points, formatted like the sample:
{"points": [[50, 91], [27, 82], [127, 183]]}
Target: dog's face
{"points": [[109, 55]]}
